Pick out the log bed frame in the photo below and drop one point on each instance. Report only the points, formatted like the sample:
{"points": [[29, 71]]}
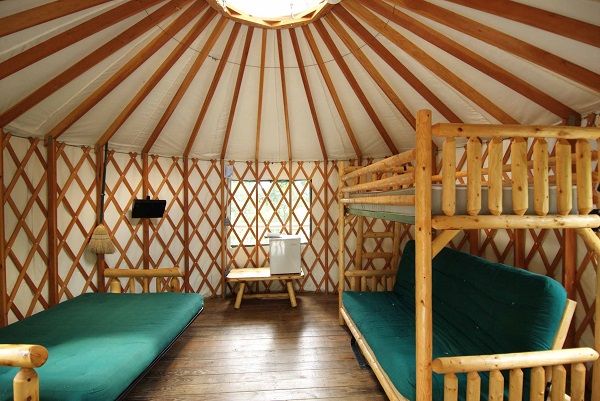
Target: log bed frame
{"points": [[28, 357], [568, 169]]}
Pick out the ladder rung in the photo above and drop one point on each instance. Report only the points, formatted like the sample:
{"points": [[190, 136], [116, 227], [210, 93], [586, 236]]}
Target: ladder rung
{"points": [[377, 255], [382, 234]]}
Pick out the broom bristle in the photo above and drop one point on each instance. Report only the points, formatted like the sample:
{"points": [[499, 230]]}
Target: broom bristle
{"points": [[100, 241]]}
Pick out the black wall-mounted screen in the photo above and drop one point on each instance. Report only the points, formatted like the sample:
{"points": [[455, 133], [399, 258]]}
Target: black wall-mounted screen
{"points": [[148, 208]]}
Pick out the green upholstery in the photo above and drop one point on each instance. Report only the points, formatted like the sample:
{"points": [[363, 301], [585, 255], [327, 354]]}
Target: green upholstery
{"points": [[479, 307], [99, 343]]}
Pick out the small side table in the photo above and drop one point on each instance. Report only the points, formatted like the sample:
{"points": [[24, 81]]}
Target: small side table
{"points": [[245, 275]]}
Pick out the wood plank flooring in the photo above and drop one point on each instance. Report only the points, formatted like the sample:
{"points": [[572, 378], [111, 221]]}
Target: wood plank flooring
{"points": [[265, 351]]}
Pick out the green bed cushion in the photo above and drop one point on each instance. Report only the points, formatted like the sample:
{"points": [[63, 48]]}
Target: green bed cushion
{"points": [[479, 307], [99, 343]]}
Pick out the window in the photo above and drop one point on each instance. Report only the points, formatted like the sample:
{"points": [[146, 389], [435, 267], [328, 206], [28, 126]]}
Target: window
{"points": [[259, 207]]}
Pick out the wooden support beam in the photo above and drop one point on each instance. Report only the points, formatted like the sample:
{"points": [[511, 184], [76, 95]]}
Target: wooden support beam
{"points": [[92, 59], [309, 98], [339, 59], [222, 190], [132, 65], [536, 17], [504, 42], [160, 72], [332, 91], [284, 94], [100, 264], [236, 91], [186, 226], [395, 64], [367, 65], [145, 222], [464, 222], [423, 256], [52, 190], [3, 289], [71, 36], [216, 78], [470, 57], [429, 62], [569, 278], [513, 131], [44, 13], [261, 88], [341, 258]]}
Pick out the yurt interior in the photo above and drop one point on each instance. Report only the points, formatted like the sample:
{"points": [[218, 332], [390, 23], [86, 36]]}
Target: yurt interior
{"points": [[270, 200]]}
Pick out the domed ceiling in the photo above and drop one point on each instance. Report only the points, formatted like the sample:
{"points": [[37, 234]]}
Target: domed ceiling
{"points": [[208, 80]]}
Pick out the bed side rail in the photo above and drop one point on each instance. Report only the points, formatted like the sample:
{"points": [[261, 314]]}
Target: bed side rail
{"points": [[27, 357], [174, 273], [538, 362], [572, 164]]}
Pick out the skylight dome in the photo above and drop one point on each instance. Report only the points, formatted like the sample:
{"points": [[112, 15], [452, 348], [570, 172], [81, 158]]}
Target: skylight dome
{"points": [[273, 13]]}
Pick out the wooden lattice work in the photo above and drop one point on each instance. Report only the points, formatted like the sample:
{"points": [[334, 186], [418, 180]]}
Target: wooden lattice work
{"points": [[25, 226]]}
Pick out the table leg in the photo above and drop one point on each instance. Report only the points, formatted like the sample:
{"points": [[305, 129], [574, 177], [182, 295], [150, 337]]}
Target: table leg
{"points": [[290, 288], [240, 295]]}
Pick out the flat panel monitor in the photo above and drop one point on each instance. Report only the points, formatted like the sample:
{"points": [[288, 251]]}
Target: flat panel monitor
{"points": [[148, 208]]}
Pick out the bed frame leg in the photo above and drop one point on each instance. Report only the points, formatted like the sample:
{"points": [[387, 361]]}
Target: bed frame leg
{"points": [[26, 385]]}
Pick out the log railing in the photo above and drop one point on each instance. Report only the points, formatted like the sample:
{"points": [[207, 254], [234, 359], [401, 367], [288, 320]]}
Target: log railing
{"points": [[146, 275], [27, 357], [541, 363], [372, 280]]}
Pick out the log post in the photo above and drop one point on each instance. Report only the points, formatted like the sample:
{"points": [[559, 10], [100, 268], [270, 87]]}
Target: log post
{"points": [[3, 289], [26, 385], [583, 164], [449, 177], [52, 223], [341, 259], [518, 154], [540, 177], [564, 177], [473, 176], [495, 176], [423, 231]]}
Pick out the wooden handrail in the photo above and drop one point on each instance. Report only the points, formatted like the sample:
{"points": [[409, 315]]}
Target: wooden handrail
{"points": [[384, 183], [23, 355], [381, 165], [513, 131], [397, 200], [510, 221], [162, 272], [484, 363], [371, 273]]}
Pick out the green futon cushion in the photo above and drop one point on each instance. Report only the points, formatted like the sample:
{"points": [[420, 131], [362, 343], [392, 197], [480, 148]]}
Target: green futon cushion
{"points": [[479, 307], [99, 343]]}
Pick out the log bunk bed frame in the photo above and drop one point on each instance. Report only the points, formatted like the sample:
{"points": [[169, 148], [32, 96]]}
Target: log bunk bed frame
{"points": [[354, 189], [28, 357]]}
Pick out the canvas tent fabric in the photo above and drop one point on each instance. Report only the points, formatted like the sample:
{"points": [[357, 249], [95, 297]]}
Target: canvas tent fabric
{"points": [[309, 92]]}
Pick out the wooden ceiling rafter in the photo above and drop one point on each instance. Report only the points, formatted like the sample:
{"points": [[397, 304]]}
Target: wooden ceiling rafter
{"points": [[371, 70], [92, 59], [504, 41], [430, 63], [332, 91], [44, 13], [215, 82], [397, 65], [284, 95], [559, 24], [179, 94], [470, 57], [339, 59], [261, 88], [160, 72], [309, 98], [132, 65], [65, 39], [236, 91]]}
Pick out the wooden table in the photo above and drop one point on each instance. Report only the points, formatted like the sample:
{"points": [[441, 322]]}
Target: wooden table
{"points": [[262, 274]]}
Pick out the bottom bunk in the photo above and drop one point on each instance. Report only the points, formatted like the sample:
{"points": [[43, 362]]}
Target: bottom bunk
{"points": [[487, 318], [99, 344]]}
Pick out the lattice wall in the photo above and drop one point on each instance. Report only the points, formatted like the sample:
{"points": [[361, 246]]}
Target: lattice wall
{"points": [[191, 235]]}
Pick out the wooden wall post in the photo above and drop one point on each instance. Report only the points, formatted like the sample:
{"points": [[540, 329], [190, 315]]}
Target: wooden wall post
{"points": [[570, 273], [3, 289], [341, 242], [100, 265], [223, 188], [423, 284], [51, 187], [146, 222], [186, 226]]}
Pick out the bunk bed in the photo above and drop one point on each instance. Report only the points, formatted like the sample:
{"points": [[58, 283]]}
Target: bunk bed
{"points": [[400, 188], [95, 346]]}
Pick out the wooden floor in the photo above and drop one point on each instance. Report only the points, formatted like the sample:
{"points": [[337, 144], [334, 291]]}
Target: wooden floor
{"points": [[264, 351]]}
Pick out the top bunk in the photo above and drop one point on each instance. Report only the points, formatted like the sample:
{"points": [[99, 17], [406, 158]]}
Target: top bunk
{"points": [[546, 182]]}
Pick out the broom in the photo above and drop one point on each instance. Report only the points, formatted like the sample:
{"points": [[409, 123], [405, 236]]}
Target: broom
{"points": [[100, 241]]}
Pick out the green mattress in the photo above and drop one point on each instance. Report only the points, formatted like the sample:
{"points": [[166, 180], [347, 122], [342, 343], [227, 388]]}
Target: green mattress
{"points": [[479, 308], [99, 343]]}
